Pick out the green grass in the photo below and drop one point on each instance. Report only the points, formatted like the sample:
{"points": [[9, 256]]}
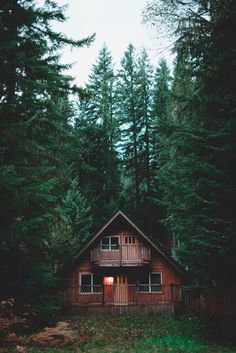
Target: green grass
{"points": [[137, 334]]}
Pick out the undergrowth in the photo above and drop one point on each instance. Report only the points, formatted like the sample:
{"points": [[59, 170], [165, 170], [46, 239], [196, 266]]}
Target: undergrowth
{"points": [[136, 334]]}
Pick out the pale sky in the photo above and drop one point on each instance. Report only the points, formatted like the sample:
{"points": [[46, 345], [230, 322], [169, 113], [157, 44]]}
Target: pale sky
{"points": [[116, 23]]}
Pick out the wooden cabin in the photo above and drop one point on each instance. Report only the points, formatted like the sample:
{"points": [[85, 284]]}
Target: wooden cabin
{"points": [[122, 270]]}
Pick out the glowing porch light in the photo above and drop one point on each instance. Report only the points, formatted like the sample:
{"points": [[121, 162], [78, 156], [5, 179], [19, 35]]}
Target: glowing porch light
{"points": [[109, 281]]}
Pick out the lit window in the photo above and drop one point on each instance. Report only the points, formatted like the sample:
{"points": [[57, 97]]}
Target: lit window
{"points": [[150, 282], [109, 281]]}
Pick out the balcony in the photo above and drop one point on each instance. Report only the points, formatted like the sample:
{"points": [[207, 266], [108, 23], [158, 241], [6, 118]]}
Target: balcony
{"points": [[121, 255]]}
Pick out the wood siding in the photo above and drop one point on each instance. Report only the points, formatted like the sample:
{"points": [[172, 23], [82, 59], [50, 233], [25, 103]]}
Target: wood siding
{"points": [[169, 274], [126, 263], [126, 292], [120, 294], [131, 251]]}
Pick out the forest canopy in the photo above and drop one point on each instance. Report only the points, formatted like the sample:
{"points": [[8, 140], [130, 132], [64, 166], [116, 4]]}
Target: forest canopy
{"points": [[158, 142]]}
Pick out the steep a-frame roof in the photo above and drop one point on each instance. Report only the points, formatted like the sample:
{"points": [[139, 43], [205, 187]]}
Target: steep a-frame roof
{"points": [[125, 217]]}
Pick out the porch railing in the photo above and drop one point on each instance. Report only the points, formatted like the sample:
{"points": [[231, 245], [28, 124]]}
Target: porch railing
{"points": [[120, 294], [123, 254]]}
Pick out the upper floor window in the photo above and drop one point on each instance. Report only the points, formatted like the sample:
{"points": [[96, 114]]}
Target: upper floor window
{"points": [[110, 243], [129, 239]]}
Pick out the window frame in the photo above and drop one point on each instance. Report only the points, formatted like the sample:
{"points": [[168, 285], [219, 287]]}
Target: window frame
{"points": [[149, 284], [130, 239], [109, 245], [91, 286]]}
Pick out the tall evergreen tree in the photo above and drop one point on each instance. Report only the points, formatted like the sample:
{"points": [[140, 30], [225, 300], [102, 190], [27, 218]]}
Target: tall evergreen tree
{"points": [[91, 168], [96, 135], [32, 130], [100, 106], [138, 138], [203, 143], [147, 211], [71, 227], [103, 107], [160, 144], [144, 114], [175, 173], [160, 105], [130, 122]]}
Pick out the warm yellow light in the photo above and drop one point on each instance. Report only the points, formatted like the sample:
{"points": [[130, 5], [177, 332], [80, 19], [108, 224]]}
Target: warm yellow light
{"points": [[108, 280]]}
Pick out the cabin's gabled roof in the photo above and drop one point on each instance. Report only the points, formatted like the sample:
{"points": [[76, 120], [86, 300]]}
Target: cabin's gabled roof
{"points": [[120, 213]]}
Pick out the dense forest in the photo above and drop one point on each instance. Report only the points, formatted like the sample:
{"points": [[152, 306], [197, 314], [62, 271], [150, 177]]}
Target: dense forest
{"points": [[158, 142]]}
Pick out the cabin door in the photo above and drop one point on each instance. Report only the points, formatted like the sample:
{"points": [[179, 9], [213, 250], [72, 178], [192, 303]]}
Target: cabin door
{"points": [[108, 295], [121, 290], [116, 290]]}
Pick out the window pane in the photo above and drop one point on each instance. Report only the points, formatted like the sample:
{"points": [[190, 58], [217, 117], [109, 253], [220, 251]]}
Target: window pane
{"points": [[144, 278], [97, 279], [114, 243], [86, 280], [97, 283], [156, 282], [86, 283], [143, 288], [155, 278], [105, 247], [156, 288], [105, 243]]}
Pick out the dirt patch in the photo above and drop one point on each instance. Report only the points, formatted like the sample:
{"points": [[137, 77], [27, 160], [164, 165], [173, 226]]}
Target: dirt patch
{"points": [[59, 336]]}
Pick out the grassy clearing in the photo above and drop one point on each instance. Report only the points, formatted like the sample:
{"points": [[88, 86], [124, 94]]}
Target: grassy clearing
{"points": [[137, 334]]}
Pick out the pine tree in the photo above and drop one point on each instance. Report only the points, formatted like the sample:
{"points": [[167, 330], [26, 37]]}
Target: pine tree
{"points": [[138, 124], [101, 105], [71, 227], [160, 151], [130, 124], [144, 115], [147, 211], [33, 130], [98, 183], [177, 143], [200, 212], [160, 105], [96, 136]]}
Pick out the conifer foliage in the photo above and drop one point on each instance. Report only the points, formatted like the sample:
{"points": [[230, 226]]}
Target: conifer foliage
{"points": [[129, 118], [33, 130], [71, 227], [197, 178], [96, 135], [161, 147]]}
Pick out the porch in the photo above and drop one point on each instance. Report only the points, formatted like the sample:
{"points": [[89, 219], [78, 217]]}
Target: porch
{"points": [[120, 295]]}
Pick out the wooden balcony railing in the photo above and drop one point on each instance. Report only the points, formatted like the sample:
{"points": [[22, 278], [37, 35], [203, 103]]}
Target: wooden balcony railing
{"points": [[123, 255], [129, 294]]}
